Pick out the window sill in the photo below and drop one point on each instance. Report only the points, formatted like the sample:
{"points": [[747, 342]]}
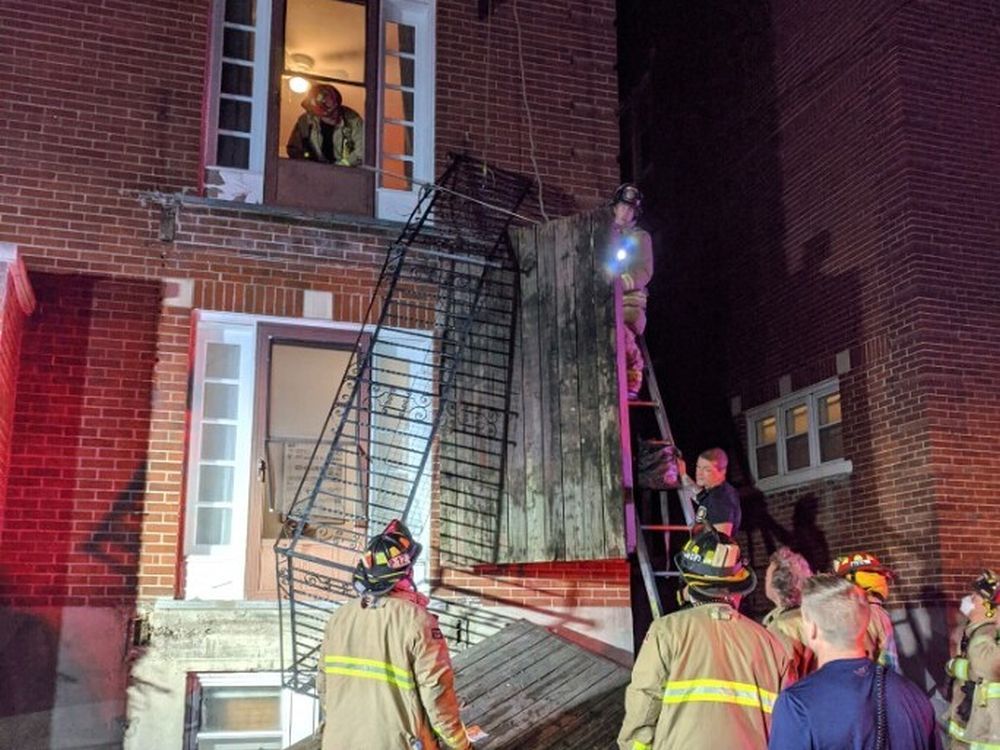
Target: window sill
{"points": [[319, 218], [830, 469]]}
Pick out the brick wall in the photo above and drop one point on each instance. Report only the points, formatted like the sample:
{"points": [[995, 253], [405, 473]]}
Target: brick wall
{"points": [[78, 469], [823, 184], [572, 89], [11, 325]]}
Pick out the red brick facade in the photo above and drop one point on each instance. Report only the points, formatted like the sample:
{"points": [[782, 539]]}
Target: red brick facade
{"points": [[102, 105], [831, 189]]}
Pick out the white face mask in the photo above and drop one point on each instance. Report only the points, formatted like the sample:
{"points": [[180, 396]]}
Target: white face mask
{"points": [[966, 606]]}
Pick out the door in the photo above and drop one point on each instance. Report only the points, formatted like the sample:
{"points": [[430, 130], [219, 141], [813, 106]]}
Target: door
{"points": [[299, 371]]}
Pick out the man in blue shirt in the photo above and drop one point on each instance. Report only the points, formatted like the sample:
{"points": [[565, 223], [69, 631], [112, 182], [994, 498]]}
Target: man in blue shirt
{"points": [[850, 703]]}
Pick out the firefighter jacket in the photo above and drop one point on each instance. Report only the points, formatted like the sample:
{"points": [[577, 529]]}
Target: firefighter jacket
{"points": [[347, 144], [705, 677], [880, 641], [385, 678], [635, 268], [974, 715], [786, 623]]}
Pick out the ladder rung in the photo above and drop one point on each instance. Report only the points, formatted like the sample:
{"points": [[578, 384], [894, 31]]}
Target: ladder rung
{"points": [[666, 573], [665, 527], [643, 404]]}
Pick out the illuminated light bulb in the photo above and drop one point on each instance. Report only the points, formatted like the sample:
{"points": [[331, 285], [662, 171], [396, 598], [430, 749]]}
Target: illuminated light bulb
{"points": [[298, 84], [621, 254]]}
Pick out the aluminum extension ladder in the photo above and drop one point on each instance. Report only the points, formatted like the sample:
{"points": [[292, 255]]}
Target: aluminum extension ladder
{"points": [[645, 525]]}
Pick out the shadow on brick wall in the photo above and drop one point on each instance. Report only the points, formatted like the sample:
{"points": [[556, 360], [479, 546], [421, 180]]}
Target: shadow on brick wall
{"points": [[75, 503]]}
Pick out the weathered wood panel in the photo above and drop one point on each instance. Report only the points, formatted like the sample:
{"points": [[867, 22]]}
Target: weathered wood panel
{"points": [[566, 445]]}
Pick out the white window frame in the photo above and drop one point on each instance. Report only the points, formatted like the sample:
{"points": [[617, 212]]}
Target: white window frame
{"points": [[245, 185], [816, 470], [218, 572], [396, 205], [299, 713]]}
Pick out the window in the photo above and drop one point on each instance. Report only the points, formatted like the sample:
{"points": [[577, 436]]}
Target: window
{"points": [[377, 54], [245, 711], [797, 438]]}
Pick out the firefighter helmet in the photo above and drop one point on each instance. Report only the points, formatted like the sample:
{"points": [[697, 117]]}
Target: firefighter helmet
{"points": [[864, 569], [713, 565], [987, 585], [630, 195], [323, 100], [387, 560]]}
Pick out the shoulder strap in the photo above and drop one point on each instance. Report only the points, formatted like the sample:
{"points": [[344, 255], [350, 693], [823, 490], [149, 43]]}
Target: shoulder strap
{"points": [[880, 717]]}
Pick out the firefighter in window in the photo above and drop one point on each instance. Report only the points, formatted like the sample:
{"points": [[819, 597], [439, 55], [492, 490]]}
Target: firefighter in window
{"points": [[630, 258], [974, 716], [327, 132]]}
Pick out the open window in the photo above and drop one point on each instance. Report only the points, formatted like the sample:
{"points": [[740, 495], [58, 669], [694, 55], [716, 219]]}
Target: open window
{"points": [[368, 157]]}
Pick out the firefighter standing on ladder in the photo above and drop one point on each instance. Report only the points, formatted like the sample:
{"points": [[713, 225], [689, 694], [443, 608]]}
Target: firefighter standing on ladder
{"points": [[630, 258], [974, 716], [385, 678], [706, 675]]}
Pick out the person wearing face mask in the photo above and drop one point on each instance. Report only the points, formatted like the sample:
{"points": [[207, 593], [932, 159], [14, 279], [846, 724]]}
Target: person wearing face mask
{"points": [[974, 716]]}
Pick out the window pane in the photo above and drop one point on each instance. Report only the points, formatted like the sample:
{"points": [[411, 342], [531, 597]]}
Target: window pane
{"points": [[234, 115], [247, 743], [213, 525], [400, 38], [831, 443], [232, 151], [829, 409], [237, 44], [218, 442], [222, 361], [397, 139], [796, 420], [215, 484], [797, 452], [240, 11], [767, 431], [237, 79], [397, 174], [398, 71], [221, 400], [398, 105], [326, 38], [767, 461], [240, 709]]}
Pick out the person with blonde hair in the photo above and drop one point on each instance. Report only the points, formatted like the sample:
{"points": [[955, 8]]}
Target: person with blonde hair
{"points": [[850, 701], [787, 571]]}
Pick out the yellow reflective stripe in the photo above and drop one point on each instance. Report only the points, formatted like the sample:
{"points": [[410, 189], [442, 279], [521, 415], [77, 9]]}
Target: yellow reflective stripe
{"points": [[350, 666], [955, 729], [958, 667], [992, 690], [636, 745], [984, 746], [451, 740], [718, 691]]}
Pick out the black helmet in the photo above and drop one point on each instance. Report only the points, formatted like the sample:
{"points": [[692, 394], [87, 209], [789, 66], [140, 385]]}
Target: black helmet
{"points": [[628, 194], [987, 585], [713, 565], [387, 560]]}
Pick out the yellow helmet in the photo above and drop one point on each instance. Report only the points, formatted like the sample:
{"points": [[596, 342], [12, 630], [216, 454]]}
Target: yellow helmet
{"points": [[864, 569]]}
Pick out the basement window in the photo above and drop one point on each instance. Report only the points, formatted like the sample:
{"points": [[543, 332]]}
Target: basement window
{"points": [[797, 438], [245, 711]]}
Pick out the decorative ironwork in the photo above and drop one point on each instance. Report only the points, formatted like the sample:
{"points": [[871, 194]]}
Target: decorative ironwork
{"points": [[431, 367]]}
